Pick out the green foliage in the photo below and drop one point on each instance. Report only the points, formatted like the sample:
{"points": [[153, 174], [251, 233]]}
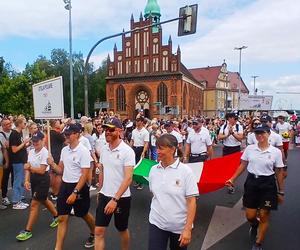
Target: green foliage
{"points": [[16, 88]]}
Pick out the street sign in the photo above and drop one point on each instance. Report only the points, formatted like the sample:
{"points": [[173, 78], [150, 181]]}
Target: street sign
{"points": [[101, 105], [157, 103], [188, 25], [48, 100]]}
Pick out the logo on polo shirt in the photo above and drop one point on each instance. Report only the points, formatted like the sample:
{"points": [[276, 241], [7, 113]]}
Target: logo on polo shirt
{"points": [[267, 203], [178, 183]]}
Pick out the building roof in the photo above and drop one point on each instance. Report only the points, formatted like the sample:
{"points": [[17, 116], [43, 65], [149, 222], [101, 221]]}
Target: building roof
{"points": [[152, 8], [188, 74], [211, 74], [208, 74], [236, 81]]}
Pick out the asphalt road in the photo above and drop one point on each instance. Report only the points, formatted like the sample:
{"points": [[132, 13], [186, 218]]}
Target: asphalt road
{"points": [[283, 233]]}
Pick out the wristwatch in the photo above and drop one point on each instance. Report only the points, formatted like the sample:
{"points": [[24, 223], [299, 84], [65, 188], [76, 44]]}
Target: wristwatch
{"points": [[115, 199], [75, 191]]}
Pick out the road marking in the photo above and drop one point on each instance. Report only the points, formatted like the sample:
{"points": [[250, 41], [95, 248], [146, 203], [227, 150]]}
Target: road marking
{"points": [[224, 221]]}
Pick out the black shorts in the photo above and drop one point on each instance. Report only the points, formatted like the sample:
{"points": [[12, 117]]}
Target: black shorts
{"points": [[260, 192], [231, 150], [81, 205], [121, 214], [40, 186]]}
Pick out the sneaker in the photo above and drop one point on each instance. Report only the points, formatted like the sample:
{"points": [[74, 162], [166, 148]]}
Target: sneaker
{"points": [[257, 246], [5, 201], [72, 212], [54, 222], [53, 197], [24, 235], [135, 184], [25, 204], [19, 205], [2, 207], [231, 190], [140, 187], [253, 230], [92, 188], [90, 242]]}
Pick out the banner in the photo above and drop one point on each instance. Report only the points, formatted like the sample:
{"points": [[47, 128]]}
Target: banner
{"points": [[48, 101]]}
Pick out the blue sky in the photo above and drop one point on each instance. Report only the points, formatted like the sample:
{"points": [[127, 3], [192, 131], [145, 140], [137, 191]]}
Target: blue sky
{"points": [[270, 29]]}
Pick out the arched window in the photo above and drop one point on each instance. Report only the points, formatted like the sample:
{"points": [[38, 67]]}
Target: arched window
{"points": [[162, 94], [121, 99], [184, 98]]}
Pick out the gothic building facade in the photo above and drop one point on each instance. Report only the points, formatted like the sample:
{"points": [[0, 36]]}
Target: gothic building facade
{"points": [[146, 75]]}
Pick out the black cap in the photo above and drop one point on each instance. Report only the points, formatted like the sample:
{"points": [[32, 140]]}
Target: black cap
{"points": [[73, 128], [168, 124], [232, 115], [261, 128], [113, 123], [198, 120], [37, 136], [265, 118]]}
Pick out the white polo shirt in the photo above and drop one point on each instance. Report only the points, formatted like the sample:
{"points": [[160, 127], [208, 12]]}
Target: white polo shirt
{"points": [[281, 128], [199, 141], [177, 135], [262, 162], [140, 136], [36, 159], [74, 160], [170, 187], [114, 163], [274, 139], [231, 141]]}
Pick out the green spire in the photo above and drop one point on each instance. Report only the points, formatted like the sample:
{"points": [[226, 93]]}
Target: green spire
{"points": [[152, 8]]}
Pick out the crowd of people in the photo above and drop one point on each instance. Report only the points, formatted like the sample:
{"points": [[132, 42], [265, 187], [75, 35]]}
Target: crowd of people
{"points": [[63, 163]]}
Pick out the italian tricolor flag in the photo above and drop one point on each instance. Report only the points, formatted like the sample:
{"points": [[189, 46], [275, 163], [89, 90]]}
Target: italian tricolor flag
{"points": [[211, 175]]}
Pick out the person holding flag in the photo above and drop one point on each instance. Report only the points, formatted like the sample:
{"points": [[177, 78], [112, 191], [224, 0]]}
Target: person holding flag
{"points": [[173, 206], [261, 192]]}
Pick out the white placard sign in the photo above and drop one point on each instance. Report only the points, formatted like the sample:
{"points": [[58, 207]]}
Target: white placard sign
{"points": [[48, 100], [256, 102]]}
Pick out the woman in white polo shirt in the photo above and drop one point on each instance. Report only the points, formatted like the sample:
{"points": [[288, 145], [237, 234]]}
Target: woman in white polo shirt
{"points": [[261, 192], [38, 180], [173, 205]]}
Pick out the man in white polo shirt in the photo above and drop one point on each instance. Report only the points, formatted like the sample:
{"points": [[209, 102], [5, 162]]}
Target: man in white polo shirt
{"points": [[140, 142], [169, 126], [117, 160], [74, 193], [198, 146], [232, 134]]}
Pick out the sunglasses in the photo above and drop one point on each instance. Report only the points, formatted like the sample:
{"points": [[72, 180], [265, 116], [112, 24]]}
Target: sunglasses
{"points": [[195, 123], [110, 130], [256, 123]]}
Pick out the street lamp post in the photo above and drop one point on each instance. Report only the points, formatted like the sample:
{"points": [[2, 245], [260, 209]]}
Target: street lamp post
{"points": [[68, 7], [254, 89], [240, 71]]}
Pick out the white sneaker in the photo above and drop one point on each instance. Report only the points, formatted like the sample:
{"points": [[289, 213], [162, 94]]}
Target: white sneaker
{"points": [[5, 201], [25, 204], [2, 207], [19, 205], [92, 188], [72, 212]]}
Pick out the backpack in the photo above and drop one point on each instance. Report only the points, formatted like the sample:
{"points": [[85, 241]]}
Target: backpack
{"points": [[236, 127]]}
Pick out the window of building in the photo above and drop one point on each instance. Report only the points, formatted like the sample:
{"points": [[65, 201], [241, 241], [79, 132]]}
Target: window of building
{"points": [[121, 99], [137, 66], [136, 44], [146, 43], [165, 64], [128, 67], [119, 68], [146, 65], [184, 98], [155, 65], [162, 94]]}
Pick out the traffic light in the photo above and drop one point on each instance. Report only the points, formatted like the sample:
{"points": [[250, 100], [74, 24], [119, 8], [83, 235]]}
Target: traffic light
{"points": [[168, 109], [188, 24]]}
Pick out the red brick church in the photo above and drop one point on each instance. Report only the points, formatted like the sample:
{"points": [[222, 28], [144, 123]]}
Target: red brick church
{"points": [[146, 75]]}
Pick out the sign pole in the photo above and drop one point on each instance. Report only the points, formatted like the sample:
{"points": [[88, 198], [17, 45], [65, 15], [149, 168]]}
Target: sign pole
{"points": [[48, 135]]}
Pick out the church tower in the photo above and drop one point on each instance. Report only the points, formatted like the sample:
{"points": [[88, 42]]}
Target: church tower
{"points": [[152, 11]]}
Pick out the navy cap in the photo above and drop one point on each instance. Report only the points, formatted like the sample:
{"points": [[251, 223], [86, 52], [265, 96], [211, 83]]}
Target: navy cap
{"points": [[266, 118], [37, 136], [261, 128], [73, 128], [113, 123]]}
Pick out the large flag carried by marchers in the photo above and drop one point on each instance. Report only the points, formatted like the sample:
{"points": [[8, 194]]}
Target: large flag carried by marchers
{"points": [[211, 175]]}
